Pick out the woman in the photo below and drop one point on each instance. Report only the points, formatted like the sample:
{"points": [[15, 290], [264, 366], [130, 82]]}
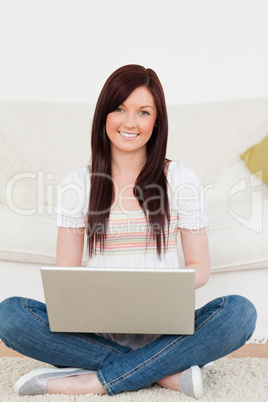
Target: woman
{"points": [[130, 191]]}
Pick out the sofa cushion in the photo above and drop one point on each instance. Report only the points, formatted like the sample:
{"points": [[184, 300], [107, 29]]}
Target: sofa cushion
{"points": [[235, 240], [236, 180], [29, 238], [54, 138], [238, 233], [25, 238], [44, 141], [256, 159], [13, 162], [210, 137], [233, 156]]}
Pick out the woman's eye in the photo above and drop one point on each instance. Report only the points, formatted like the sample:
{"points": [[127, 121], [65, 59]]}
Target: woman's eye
{"points": [[144, 113], [119, 109]]}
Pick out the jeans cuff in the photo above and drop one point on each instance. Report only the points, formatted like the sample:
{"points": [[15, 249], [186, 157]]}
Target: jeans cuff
{"points": [[103, 383]]}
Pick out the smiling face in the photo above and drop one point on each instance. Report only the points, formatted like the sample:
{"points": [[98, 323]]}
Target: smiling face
{"points": [[130, 126]]}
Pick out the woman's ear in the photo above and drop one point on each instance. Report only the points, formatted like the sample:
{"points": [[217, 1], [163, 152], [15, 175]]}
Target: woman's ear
{"points": [[155, 124]]}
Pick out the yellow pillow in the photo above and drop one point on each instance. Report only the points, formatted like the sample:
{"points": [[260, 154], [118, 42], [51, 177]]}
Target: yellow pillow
{"points": [[256, 159]]}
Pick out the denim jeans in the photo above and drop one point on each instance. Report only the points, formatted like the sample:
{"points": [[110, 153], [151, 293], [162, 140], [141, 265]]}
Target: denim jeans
{"points": [[221, 326]]}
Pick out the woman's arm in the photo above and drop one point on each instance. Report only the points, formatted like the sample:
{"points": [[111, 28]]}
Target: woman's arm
{"points": [[70, 246], [196, 254]]}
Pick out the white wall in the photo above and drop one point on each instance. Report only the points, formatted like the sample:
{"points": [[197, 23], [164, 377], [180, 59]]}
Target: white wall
{"points": [[202, 50]]}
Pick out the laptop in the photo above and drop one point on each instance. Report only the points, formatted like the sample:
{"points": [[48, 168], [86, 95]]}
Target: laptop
{"points": [[107, 300]]}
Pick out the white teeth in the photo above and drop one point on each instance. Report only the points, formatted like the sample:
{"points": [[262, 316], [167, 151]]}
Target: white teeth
{"points": [[128, 135]]}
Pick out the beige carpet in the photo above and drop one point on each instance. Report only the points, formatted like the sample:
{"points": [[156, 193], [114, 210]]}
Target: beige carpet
{"points": [[226, 380]]}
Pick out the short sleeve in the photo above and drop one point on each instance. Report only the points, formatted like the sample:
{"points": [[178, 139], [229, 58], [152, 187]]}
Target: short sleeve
{"points": [[72, 199], [188, 197]]}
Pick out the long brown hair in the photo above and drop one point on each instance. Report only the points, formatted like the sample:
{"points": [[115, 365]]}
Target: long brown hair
{"points": [[152, 178]]}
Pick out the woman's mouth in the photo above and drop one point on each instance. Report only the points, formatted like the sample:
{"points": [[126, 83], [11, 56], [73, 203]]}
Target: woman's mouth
{"points": [[128, 136]]}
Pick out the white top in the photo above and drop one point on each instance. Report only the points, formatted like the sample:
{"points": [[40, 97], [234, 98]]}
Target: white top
{"points": [[128, 242]]}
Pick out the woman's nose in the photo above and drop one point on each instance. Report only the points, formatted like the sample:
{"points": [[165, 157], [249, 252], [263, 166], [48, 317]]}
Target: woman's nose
{"points": [[130, 120]]}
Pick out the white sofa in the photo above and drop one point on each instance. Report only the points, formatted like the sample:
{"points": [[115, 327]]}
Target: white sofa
{"points": [[41, 142]]}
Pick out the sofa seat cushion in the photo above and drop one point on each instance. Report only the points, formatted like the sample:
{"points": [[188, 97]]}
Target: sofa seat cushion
{"points": [[238, 233], [29, 239], [237, 240]]}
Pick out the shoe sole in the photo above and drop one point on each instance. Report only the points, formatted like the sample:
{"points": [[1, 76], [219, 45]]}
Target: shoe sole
{"points": [[197, 382], [21, 381]]}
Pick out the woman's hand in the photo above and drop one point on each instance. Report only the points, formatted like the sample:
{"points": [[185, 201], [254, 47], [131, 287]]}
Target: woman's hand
{"points": [[70, 246], [196, 254]]}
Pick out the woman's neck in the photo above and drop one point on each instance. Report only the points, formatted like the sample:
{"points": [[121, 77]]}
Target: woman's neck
{"points": [[127, 164]]}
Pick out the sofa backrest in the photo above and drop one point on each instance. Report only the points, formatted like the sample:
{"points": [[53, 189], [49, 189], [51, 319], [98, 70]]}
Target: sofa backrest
{"points": [[45, 141]]}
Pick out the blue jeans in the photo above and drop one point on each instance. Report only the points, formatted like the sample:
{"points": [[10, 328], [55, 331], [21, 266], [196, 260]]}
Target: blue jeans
{"points": [[221, 326]]}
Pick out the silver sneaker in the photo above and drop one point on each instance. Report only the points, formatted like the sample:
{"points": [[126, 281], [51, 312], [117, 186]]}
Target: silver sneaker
{"points": [[35, 382], [190, 382]]}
